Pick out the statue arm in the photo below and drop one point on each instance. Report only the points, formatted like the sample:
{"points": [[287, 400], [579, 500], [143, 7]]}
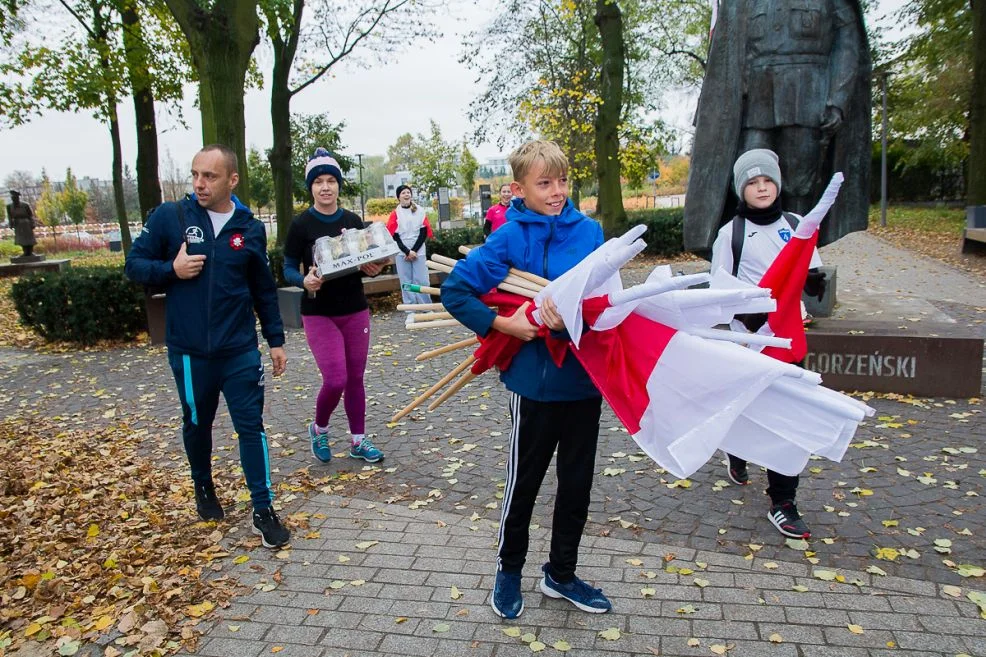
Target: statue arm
{"points": [[846, 55]]}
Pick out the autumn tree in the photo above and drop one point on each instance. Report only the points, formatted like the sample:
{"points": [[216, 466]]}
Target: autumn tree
{"points": [[157, 68], [308, 132], [221, 37], [434, 161], [261, 181], [400, 154], [49, 210], [87, 59], [930, 83], [311, 37], [72, 200], [609, 209], [976, 184], [547, 75], [467, 167]]}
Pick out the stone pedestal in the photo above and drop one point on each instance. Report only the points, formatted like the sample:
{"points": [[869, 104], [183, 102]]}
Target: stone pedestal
{"points": [[823, 307], [20, 268], [27, 259], [926, 359]]}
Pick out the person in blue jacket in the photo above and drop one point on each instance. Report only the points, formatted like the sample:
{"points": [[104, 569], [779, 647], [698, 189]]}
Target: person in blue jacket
{"points": [[551, 407], [210, 254]]}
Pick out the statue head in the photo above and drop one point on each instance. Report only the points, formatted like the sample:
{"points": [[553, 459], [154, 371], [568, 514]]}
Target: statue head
{"points": [[15, 196]]}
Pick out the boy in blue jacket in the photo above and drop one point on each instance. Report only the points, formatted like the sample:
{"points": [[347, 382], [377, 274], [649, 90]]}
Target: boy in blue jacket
{"points": [[551, 407], [210, 254]]}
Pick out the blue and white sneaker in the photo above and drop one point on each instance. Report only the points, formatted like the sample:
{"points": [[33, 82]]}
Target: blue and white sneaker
{"points": [[366, 450], [320, 444], [577, 592], [507, 600]]}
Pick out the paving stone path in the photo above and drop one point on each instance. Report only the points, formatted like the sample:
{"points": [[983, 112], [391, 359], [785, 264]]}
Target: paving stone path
{"points": [[375, 574]]}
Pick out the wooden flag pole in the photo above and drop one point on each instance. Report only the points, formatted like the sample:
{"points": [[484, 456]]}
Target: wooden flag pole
{"points": [[456, 387], [435, 388], [413, 307], [462, 344]]}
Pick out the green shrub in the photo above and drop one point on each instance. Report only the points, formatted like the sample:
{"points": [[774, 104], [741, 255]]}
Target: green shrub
{"points": [[9, 249], [447, 242], [664, 229], [81, 304], [378, 206]]}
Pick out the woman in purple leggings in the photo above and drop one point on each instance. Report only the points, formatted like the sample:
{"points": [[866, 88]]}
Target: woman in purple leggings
{"points": [[334, 312]]}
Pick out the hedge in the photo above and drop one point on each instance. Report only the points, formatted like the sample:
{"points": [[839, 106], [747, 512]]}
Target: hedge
{"points": [[447, 241], [379, 206], [664, 229], [81, 304]]}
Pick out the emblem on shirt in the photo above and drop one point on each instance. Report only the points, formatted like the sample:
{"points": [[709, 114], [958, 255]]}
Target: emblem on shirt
{"points": [[237, 241], [785, 234], [194, 235]]}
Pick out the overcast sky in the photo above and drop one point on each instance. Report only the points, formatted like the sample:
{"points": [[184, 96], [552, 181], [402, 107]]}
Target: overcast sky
{"points": [[377, 104]]}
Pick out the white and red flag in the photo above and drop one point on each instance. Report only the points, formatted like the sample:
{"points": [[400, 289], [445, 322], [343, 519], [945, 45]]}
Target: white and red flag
{"points": [[785, 278], [684, 389]]}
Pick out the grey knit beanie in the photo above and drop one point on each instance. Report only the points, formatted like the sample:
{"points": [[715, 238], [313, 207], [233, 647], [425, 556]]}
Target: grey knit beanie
{"points": [[753, 163]]}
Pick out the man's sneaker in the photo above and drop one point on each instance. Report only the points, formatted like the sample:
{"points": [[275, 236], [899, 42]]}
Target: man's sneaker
{"points": [[788, 521], [272, 533], [577, 592], [206, 502], [366, 450], [738, 474], [507, 600], [320, 444]]}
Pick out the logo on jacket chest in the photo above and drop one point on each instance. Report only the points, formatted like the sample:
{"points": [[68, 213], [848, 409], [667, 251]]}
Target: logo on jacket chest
{"points": [[236, 241], [194, 235], [785, 234]]}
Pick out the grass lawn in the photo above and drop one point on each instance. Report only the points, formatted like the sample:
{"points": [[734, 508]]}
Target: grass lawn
{"points": [[935, 232]]}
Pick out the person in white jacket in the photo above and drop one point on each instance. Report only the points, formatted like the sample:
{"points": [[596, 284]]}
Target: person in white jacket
{"points": [[409, 225]]}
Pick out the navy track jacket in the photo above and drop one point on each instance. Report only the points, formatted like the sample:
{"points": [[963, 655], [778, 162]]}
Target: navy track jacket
{"points": [[211, 315], [544, 245]]}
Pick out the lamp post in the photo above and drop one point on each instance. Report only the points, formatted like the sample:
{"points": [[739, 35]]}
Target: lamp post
{"points": [[362, 200]]}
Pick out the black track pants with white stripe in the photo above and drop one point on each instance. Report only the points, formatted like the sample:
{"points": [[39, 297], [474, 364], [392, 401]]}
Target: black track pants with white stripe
{"points": [[538, 428]]}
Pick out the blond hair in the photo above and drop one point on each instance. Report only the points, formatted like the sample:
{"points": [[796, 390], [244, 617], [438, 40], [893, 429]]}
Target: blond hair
{"points": [[523, 158]]}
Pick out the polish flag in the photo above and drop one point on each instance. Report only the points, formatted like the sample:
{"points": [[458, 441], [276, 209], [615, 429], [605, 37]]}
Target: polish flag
{"points": [[682, 397], [785, 278]]}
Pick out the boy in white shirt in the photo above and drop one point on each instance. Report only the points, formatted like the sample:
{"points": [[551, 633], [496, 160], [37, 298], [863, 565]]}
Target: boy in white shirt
{"points": [[746, 246]]}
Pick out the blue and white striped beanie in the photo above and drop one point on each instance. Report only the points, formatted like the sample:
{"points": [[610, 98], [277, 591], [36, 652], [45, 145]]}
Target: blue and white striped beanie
{"points": [[319, 164]]}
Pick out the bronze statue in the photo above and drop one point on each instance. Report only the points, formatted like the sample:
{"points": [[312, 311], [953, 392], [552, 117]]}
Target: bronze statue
{"points": [[21, 219], [793, 77]]}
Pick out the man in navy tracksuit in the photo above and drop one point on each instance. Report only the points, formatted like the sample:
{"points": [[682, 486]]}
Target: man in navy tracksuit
{"points": [[210, 253], [551, 407]]}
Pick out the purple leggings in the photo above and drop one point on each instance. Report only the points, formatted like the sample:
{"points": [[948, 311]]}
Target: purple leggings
{"points": [[339, 345]]}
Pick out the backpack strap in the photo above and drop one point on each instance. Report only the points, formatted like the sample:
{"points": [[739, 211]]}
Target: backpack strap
{"points": [[739, 233], [792, 219], [181, 217]]}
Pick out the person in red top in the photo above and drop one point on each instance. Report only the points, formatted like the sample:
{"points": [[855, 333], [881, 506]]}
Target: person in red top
{"points": [[496, 216], [409, 225]]}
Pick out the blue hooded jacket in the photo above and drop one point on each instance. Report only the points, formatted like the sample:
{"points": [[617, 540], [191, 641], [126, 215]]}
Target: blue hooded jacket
{"points": [[211, 315], [544, 245]]}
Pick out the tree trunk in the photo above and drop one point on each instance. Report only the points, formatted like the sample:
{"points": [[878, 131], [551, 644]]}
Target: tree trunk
{"points": [[609, 210], [148, 178], [976, 185], [118, 198], [222, 40], [280, 155], [280, 116]]}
